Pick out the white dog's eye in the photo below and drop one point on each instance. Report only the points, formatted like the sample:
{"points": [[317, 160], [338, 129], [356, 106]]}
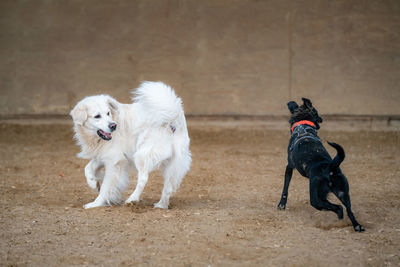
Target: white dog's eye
{"points": [[108, 113], [98, 116]]}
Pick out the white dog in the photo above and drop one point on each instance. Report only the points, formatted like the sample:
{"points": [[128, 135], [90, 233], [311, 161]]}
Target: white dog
{"points": [[149, 134]]}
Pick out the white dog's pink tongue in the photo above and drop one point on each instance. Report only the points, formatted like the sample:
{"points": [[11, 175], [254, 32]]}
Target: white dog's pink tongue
{"points": [[107, 135]]}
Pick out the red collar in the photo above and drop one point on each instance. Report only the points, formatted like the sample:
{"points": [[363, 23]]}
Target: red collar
{"points": [[305, 122]]}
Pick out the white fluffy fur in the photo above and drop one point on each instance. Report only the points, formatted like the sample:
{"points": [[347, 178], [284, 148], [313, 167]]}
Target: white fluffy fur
{"points": [[151, 134]]}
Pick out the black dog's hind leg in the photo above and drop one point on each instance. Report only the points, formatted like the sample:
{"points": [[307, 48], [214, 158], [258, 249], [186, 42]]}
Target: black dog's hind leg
{"points": [[345, 199], [288, 177], [318, 194]]}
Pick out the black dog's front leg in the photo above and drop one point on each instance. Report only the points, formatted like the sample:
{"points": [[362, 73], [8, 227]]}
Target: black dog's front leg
{"points": [[288, 177]]}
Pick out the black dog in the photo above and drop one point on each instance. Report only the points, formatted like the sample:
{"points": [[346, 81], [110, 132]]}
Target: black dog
{"points": [[307, 154]]}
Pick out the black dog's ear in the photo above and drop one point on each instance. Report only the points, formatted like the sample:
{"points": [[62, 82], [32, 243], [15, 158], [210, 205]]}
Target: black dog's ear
{"points": [[292, 106], [307, 102]]}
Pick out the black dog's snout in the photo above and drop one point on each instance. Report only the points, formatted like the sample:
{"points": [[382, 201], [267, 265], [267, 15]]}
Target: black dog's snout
{"points": [[112, 126]]}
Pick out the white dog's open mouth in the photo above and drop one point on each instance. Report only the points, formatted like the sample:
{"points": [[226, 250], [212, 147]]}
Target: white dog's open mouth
{"points": [[104, 135]]}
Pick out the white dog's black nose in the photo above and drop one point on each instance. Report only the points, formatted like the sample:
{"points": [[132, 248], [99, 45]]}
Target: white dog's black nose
{"points": [[112, 126]]}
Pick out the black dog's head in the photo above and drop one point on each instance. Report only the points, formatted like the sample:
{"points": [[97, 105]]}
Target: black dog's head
{"points": [[304, 112]]}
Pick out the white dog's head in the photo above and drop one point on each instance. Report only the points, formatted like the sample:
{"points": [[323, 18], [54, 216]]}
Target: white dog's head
{"points": [[95, 114]]}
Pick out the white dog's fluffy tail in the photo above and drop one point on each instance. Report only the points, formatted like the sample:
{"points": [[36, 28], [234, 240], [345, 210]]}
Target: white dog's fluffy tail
{"points": [[159, 103]]}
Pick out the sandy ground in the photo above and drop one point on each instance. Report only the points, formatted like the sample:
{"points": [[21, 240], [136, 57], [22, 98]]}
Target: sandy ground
{"points": [[224, 213]]}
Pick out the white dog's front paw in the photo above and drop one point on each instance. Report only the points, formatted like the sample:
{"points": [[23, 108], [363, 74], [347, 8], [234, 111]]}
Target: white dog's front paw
{"points": [[93, 204], [92, 183], [160, 205]]}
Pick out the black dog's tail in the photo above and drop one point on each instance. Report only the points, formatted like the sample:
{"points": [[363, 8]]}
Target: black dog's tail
{"points": [[338, 158]]}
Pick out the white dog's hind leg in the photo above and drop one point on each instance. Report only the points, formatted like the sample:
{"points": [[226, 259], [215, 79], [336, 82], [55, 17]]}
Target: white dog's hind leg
{"points": [[147, 159], [143, 176], [98, 202], [166, 194], [173, 173], [175, 170], [90, 173]]}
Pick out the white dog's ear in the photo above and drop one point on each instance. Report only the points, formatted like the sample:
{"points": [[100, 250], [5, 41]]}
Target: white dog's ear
{"points": [[79, 114], [113, 104]]}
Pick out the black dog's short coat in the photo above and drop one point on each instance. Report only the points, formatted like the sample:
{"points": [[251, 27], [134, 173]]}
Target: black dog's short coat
{"points": [[307, 154]]}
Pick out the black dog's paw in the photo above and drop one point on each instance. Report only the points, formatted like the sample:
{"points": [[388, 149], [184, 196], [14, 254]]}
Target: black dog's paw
{"points": [[359, 228], [340, 213], [281, 206]]}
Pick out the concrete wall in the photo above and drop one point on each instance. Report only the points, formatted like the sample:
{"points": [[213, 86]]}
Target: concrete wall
{"points": [[222, 56]]}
